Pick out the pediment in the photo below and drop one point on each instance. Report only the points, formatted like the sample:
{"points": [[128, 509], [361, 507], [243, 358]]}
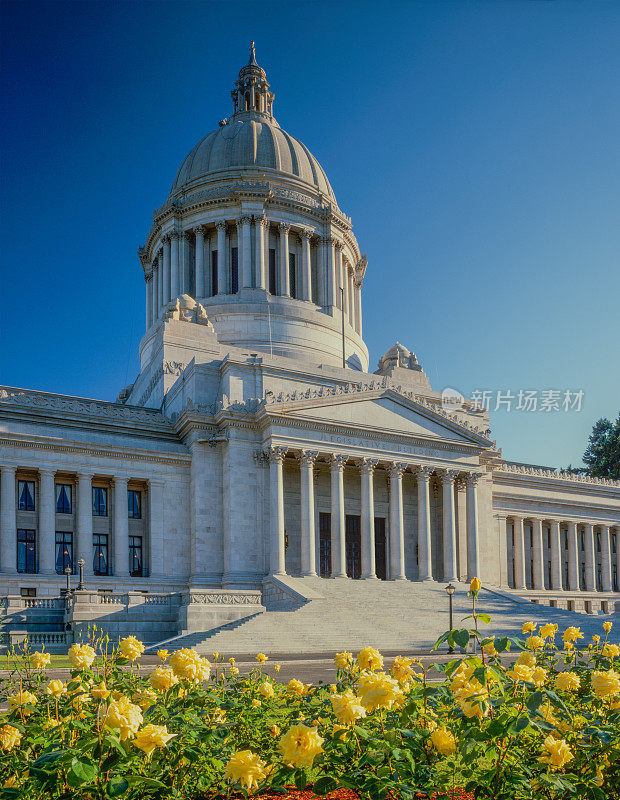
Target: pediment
{"points": [[388, 412]]}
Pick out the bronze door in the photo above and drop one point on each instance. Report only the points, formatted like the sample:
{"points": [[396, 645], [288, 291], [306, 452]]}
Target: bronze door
{"points": [[325, 545], [380, 549], [353, 544]]}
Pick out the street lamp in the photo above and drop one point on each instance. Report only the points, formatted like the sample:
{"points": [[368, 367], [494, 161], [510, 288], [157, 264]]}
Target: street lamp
{"points": [[81, 563], [450, 589], [68, 574]]}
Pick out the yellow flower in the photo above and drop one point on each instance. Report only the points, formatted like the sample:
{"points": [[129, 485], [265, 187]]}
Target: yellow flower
{"points": [[474, 586], [571, 634], [277, 668], [521, 673], [247, 768], [555, 753], [162, 679], [145, 699], [233, 671], [610, 650], [443, 741], [152, 736], [369, 658], [333, 688], [607, 625], [401, 668], [347, 707], [474, 708], [539, 676], [100, 691], [274, 730], [261, 658], [343, 660], [256, 703], [231, 660], [40, 660], [300, 746], [123, 715], [55, 688], [489, 649], [81, 655], [378, 690], [130, 648], [188, 664], [216, 656], [526, 658], [219, 714], [528, 627], [605, 684], [9, 737], [80, 694], [534, 642], [163, 654], [567, 682], [596, 638], [548, 631], [296, 687], [266, 689], [21, 699]]}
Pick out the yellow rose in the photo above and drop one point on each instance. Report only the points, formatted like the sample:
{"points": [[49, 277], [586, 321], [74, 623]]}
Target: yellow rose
{"points": [[474, 708], [233, 671], [526, 658], [274, 730], [40, 660], [256, 703], [124, 716], [296, 687], [343, 660], [231, 660], [277, 668], [489, 649], [163, 654], [246, 768], [369, 658], [534, 642], [145, 699], [216, 656], [130, 648], [100, 691], [443, 741], [539, 676], [300, 745], [266, 689], [21, 699], [162, 679], [474, 586], [9, 737], [55, 688], [347, 707], [567, 682], [261, 658], [555, 753], [607, 625], [152, 736], [571, 634], [401, 668], [596, 638], [548, 631], [521, 673], [188, 664], [528, 627], [219, 715], [378, 690], [610, 650], [605, 684], [81, 655]]}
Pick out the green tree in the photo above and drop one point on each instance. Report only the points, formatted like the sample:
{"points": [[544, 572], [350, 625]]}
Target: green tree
{"points": [[602, 455]]}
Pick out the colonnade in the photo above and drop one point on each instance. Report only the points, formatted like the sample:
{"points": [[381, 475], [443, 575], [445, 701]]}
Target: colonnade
{"points": [[307, 458], [564, 567], [337, 282]]}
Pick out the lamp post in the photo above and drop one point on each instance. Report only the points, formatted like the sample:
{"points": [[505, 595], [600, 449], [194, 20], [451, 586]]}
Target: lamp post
{"points": [[68, 574], [450, 589], [81, 563]]}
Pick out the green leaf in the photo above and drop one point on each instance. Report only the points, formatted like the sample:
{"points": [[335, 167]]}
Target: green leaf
{"points": [[502, 644], [301, 781], [48, 758], [117, 786], [484, 618], [145, 783], [83, 770], [534, 700], [461, 638], [325, 784]]}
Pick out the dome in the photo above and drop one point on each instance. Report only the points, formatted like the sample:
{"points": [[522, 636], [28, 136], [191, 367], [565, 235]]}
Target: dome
{"points": [[251, 139]]}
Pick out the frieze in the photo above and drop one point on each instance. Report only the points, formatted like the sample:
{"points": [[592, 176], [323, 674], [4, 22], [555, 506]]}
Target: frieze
{"points": [[222, 599]]}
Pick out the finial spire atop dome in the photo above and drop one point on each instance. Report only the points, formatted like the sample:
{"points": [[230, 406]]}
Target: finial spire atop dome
{"points": [[251, 94]]}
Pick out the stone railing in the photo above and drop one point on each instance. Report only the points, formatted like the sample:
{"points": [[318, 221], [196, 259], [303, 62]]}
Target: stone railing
{"points": [[540, 472], [14, 603]]}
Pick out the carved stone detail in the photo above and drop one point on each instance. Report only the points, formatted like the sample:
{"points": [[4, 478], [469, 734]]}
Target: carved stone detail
{"points": [[337, 461], [276, 454]]}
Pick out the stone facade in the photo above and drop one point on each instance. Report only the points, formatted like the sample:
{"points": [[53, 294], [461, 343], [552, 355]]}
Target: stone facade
{"points": [[256, 443]]}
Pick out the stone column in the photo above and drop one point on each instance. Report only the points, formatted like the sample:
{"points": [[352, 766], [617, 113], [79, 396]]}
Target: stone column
{"points": [[367, 469], [154, 298], [276, 495], [246, 253], [121, 528], [8, 521], [148, 280], [85, 521], [573, 558], [358, 307], [175, 277], [340, 297], [425, 556], [605, 559], [222, 283], [331, 272], [320, 271], [351, 299], [308, 545], [160, 288], [590, 559], [167, 261], [338, 533], [285, 287], [262, 256], [556, 556], [306, 265], [449, 529], [473, 544], [397, 527], [539, 567], [47, 522], [519, 553], [156, 529], [503, 550], [200, 261]]}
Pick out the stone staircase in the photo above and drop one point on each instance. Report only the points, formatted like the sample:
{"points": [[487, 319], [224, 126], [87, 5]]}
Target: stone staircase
{"points": [[314, 615]]}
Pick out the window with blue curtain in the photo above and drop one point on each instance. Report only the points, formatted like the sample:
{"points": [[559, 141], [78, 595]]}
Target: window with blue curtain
{"points": [[100, 501], [26, 551], [100, 554], [63, 498], [134, 502], [25, 495], [135, 556], [64, 551]]}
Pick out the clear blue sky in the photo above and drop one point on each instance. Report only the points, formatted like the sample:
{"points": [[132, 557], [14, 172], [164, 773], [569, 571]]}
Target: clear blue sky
{"points": [[476, 145]]}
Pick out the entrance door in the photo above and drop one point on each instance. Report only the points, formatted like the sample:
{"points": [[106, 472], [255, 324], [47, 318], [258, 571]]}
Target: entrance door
{"points": [[325, 544], [354, 546], [380, 555]]}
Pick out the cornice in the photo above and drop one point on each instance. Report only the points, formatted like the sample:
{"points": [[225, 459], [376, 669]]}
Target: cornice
{"points": [[509, 501], [539, 472]]}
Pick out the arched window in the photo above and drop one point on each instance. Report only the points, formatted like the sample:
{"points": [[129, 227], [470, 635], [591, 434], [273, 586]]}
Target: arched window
{"points": [[247, 101], [257, 102]]}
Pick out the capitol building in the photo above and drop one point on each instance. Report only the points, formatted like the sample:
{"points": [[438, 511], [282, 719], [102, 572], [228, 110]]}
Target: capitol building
{"points": [[258, 454]]}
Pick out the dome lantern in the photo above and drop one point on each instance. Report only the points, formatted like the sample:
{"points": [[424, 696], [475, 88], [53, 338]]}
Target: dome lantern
{"points": [[251, 94]]}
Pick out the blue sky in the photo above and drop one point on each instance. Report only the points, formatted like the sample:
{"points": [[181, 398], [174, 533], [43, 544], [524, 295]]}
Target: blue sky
{"points": [[476, 145]]}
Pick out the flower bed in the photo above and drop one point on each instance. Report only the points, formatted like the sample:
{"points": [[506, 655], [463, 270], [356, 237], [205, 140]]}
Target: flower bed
{"points": [[547, 727]]}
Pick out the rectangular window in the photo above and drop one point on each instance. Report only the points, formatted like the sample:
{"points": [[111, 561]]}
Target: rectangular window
{"points": [[100, 554], [63, 498], [598, 542], [272, 271], [325, 544], [100, 502], [549, 539], [214, 287], [28, 591], [64, 551], [134, 501], [613, 543], [566, 540], [25, 495], [292, 274], [135, 556], [531, 540], [234, 274], [582, 541], [26, 551]]}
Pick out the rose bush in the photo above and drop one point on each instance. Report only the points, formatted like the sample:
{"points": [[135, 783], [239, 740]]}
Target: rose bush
{"points": [[546, 725]]}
